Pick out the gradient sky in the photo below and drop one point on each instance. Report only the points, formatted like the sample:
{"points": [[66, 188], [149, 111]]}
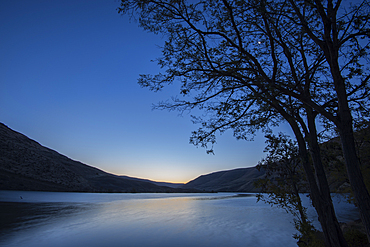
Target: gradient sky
{"points": [[68, 79]]}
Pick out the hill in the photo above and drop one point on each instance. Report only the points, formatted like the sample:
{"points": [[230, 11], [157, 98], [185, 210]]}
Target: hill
{"points": [[27, 165], [242, 179], [236, 180], [166, 184]]}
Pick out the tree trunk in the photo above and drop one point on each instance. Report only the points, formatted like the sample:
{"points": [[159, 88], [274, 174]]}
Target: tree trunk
{"points": [[304, 220], [354, 172], [334, 231], [349, 147], [321, 202], [323, 205]]}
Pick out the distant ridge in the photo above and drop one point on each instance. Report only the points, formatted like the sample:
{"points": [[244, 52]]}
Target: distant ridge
{"points": [[236, 180], [27, 165], [171, 185], [242, 179]]}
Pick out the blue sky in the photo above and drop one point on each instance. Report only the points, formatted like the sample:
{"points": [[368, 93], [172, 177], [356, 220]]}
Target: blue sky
{"points": [[68, 79]]}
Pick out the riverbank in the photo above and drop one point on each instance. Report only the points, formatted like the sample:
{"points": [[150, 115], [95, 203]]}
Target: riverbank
{"points": [[354, 233]]}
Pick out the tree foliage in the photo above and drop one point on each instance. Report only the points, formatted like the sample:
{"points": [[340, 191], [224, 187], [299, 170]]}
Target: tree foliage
{"points": [[284, 181], [284, 178], [225, 53]]}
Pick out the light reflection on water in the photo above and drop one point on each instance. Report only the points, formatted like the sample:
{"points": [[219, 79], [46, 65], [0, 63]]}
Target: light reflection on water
{"points": [[77, 219]]}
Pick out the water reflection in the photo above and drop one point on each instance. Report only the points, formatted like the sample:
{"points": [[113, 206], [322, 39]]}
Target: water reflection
{"points": [[224, 197], [143, 220], [18, 217]]}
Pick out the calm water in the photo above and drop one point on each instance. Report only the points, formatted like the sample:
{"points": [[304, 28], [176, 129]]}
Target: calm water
{"points": [[86, 219]]}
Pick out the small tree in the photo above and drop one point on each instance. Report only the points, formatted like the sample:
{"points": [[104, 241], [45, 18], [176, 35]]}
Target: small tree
{"points": [[284, 180]]}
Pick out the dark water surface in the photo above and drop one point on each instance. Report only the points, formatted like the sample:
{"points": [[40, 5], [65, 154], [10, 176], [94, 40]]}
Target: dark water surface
{"points": [[87, 219]]}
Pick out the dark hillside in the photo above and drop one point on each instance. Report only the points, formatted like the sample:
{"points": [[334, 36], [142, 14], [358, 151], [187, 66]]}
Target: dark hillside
{"points": [[334, 161], [237, 180], [242, 179], [27, 165]]}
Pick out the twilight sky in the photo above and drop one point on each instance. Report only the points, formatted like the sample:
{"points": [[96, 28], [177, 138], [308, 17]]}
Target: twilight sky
{"points": [[68, 79]]}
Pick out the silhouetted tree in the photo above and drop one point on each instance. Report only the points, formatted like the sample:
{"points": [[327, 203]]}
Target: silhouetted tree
{"points": [[252, 64], [342, 36], [284, 181]]}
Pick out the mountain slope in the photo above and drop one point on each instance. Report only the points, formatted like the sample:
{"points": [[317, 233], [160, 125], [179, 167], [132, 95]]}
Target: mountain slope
{"points": [[237, 180], [242, 179], [27, 165], [171, 185]]}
